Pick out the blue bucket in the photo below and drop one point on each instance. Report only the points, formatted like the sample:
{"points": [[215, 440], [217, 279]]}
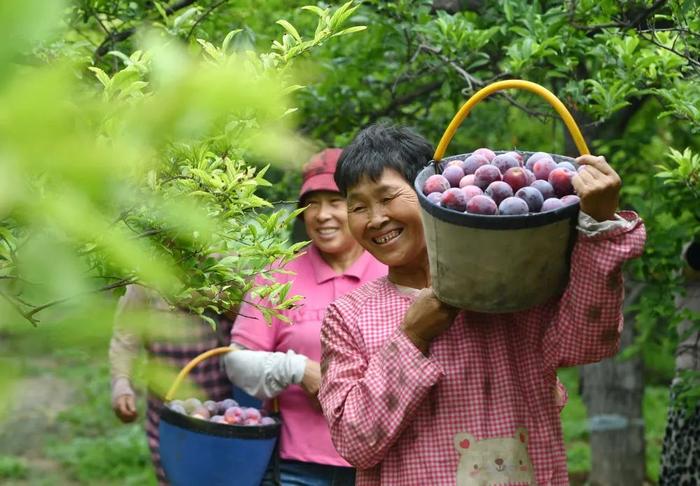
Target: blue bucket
{"points": [[194, 451]]}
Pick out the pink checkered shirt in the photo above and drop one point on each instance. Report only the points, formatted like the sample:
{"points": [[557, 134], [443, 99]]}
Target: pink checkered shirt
{"points": [[479, 409]]}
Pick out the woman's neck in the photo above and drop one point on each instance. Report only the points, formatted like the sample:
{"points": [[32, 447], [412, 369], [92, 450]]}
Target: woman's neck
{"points": [[415, 275], [340, 262]]}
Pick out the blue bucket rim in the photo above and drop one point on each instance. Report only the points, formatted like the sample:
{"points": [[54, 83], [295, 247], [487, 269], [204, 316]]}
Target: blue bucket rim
{"points": [[497, 222], [221, 430]]}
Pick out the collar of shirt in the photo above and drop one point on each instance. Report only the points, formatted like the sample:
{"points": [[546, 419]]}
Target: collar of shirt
{"points": [[324, 272]]}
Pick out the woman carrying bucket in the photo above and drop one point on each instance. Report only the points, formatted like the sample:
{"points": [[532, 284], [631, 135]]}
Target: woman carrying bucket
{"points": [[282, 359], [170, 338], [416, 392]]}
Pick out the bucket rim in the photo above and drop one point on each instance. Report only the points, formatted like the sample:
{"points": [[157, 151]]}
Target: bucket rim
{"points": [[495, 222], [222, 430]]}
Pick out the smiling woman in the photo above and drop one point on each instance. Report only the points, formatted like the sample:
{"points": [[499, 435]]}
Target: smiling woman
{"points": [[326, 222], [283, 360], [383, 208], [418, 392], [383, 218]]}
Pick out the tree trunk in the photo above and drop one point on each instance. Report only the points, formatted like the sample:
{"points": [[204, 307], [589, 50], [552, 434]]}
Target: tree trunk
{"points": [[612, 391]]}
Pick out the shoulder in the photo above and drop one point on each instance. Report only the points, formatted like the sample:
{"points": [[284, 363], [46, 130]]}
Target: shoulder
{"points": [[368, 296]]}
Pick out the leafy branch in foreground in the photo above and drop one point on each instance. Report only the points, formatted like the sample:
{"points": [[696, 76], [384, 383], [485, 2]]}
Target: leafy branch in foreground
{"points": [[143, 177]]}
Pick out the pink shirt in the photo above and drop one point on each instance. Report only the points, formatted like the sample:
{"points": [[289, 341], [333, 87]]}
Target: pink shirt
{"points": [[305, 435], [479, 408]]}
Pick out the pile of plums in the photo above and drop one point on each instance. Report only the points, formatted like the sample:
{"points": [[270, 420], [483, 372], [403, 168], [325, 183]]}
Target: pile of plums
{"points": [[504, 184], [223, 412]]}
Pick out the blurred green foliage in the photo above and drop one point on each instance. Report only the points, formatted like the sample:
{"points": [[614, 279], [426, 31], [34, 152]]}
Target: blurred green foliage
{"points": [[138, 173], [12, 467], [89, 442]]}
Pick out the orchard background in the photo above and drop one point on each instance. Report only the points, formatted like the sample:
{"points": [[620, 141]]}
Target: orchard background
{"points": [[140, 138]]}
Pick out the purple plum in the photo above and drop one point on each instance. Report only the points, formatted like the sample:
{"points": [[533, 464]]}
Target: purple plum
{"points": [[224, 405], [566, 165], [570, 199], [504, 162], [530, 177], [453, 174], [482, 205], [485, 152], [178, 407], [457, 162], [535, 157], [434, 197], [516, 177], [516, 155], [560, 179], [551, 204], [467, 180], [211, 406], [201, 412], [453, 198], [435, 183], [471, 191], [191, 404], [498, 191], [485, 175], [544, 187], [473, 162], [512, 206], [532, 197], [543, 167]]}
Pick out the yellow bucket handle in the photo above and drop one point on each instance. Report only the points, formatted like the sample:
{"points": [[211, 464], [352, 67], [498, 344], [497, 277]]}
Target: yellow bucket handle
{"points": [[194, 362], [508, 84]]}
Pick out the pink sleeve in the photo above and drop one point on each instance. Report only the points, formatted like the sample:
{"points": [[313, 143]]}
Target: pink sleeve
{"points": [[588, 319], [252, 331], [369, 400]]}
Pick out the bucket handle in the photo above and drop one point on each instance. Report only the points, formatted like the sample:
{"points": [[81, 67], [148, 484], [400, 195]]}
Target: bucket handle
{"points": [[499, 86], [194, 362]]}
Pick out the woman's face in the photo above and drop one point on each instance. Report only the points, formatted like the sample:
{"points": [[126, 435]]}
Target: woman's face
{"points": [[326, 222], [384, 216]]}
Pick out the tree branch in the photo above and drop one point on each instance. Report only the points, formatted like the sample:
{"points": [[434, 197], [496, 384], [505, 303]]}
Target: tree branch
{"points": [[121, 283], [113, 37], [471, 81], [17, 308], [690, 60], [632, 24], [405, 100], [205, 15]]}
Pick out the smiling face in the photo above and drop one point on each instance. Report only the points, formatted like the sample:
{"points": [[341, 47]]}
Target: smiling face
{"points": [[384, 216], [326, 221]]}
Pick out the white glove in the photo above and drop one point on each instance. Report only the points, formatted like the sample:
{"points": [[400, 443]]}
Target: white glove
{"points": [[264, 374]]}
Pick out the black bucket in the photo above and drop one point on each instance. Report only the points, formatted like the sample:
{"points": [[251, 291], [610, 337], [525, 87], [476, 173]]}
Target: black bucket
{"points": [[497, 264]]}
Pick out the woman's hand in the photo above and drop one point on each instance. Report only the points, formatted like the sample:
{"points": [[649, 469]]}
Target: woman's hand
{"points": [[426, 319], [312, 381], [598, 186], [125, 408]]}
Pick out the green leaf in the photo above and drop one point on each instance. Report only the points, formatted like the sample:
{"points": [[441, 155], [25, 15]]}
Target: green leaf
{"points": [[290, 28], [229, 37], [317, 10], [101, 76], [161, 11], [350, 30], [188, 14]]}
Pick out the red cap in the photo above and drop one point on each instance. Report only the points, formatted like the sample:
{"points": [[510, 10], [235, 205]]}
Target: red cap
{"points": [[318, 172]]}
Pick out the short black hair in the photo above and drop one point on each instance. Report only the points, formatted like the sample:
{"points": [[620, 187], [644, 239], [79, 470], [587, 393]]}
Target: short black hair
{"points": [[692, 255], [379, 147]]}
